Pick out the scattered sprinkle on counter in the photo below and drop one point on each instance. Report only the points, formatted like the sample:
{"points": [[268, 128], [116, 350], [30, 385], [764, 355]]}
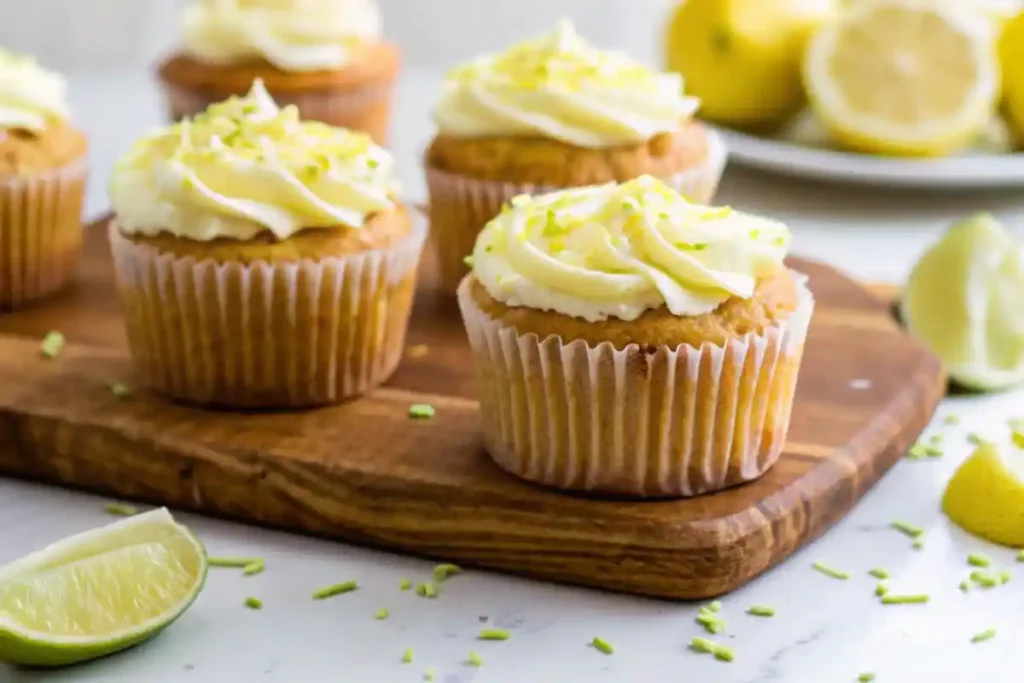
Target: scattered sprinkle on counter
{"points": [[602, 645], [53, 344], [494, 634], [977, 439], [253, 568], [911, 530], [881, 589], [474, 660], [978, 560], [952, 419], [407, 656], [232, 562], [866, 677], [418, 351], [336, 589], [761, 611], [879, 573], [904, 599], [705, 646], [254, 603], [983, 636], [984, 579], [426, 589], [381, 614], [421, 411], [831, 571]]}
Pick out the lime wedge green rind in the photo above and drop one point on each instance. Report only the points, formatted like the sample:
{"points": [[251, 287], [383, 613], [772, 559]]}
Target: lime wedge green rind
{"points": [[66, 603]]}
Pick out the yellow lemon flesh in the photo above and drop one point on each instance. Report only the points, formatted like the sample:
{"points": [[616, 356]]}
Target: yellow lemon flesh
{"points": [[965, 300], [1011, 53], [986, 496], [904, 77], [742, 57]]}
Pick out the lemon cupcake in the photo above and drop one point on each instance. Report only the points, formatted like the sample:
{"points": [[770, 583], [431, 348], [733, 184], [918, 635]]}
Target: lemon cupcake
{"points": [[551, 113], [324, 56], [261, 260], [42, 183], [627, 341]]}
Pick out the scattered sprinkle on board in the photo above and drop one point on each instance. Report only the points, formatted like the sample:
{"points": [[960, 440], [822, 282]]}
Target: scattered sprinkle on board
{"points": [[421, 411], [119, 389], [52, 344]]}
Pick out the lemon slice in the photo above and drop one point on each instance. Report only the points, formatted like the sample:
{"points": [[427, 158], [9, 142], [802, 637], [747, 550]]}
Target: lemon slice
{"points": [[904, 77], [965, 301], [99, 592], [986, 496]]}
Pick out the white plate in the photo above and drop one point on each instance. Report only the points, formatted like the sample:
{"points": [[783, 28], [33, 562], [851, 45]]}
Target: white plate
{"points": [[977, 170]]}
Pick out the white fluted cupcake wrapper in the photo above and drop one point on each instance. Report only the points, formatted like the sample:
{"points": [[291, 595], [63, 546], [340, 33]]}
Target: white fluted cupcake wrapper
{"points": [[460, 206], [266, 335], [40, 232], [638, 422]]}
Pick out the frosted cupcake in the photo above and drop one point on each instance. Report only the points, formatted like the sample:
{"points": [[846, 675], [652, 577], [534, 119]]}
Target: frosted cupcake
{"points": [[551, 113], [262, 260], [324, 56], [627, 341], [42, 183]]}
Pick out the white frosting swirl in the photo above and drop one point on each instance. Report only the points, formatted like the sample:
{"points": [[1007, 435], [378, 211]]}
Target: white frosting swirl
{"points": [[245, 166], [617, 250], [30, 97], [562, 88], [293, 35]]}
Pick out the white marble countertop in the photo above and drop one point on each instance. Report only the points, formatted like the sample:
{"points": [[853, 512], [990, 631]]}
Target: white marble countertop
{"points": [[825, 631]]}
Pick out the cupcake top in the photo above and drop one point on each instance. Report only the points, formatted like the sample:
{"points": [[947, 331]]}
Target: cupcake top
{"points": [[559, 86], [293, 35], [245, 166], [31, 98], [617, 250]]}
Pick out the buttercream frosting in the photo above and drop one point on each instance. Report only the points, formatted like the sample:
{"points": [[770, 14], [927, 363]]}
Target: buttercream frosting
{"points": [[31, 97], [245, 166], [617, 250]]}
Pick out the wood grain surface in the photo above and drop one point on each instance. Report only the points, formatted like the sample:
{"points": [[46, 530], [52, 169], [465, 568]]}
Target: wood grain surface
{"points": [[364, 472]]}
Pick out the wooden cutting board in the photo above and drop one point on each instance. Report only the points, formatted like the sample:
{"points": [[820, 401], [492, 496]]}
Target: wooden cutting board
{"points": [[364, 472]]}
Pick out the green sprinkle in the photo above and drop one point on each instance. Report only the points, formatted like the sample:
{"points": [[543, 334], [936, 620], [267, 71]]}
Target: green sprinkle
{"points": [[978, 560], [908, 529], [602, 645], [407, 656], [254, 603], [935, 439], [421, 411], [53, 344], [468, 260], [494, 634], [866, 677], [120, 509], [917, 452], [426, 590], [952, 419], [965, 585], [119, 389], [474, 660], [984, 579], [336, 589], [977, 439], [881, 589], [232, 562], [429, 675], [404, 584], [381, 614], [761, 611], [710, 621], [444, 571], [879, 573], [715, 606], [831, 571], [253, 568], [983, 636], [724, 653], [1020, 556], [1004, 576], [1017, 437], [933, 451], [705, 646], [917, 544], [904, 599]]}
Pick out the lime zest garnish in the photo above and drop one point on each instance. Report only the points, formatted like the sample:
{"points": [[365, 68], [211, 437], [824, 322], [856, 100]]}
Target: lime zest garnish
{"points": [[881, 589], [253, 603], [336, 589], [474, 660], [53, 344], [119, 389], [879, 573], [254, 568], [988, 634], [761, 611], [421, 411], [407, 656], [978, 560], [602, 645], [866, 677], [120, 509], [910, 530], [445, 570], [494, 634], [381, 614], [232, 562], [404, 584], [831, 571], [427, 589], [904, 599]]}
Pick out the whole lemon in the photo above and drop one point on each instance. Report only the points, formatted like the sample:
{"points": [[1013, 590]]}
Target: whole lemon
{"points": [[1011, 55], [742, 58]]}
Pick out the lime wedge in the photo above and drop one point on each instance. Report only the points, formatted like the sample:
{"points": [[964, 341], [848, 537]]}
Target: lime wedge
{"points": [[986, 496], [965, 301], [99, 592]]}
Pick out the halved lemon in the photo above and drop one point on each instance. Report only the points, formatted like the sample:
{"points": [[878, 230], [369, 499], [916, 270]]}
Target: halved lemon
{"points": [[99, 592], [904, 77], [986, 496]]}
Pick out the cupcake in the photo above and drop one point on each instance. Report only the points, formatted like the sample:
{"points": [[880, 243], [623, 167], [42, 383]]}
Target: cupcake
{"points": [[553, 113], [626, 341], [42, 183], [261, 260], [324, 56]]}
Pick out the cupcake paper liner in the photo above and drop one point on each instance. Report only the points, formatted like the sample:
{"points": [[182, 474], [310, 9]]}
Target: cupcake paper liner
{"points": [[266, 335], [461, 206], [659, 422], [365, 108], [40, 232]]}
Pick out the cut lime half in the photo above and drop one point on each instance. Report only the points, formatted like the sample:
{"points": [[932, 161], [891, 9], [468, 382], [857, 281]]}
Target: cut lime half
{"points": [[965, 301], [986, 496], [99, 592]]}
